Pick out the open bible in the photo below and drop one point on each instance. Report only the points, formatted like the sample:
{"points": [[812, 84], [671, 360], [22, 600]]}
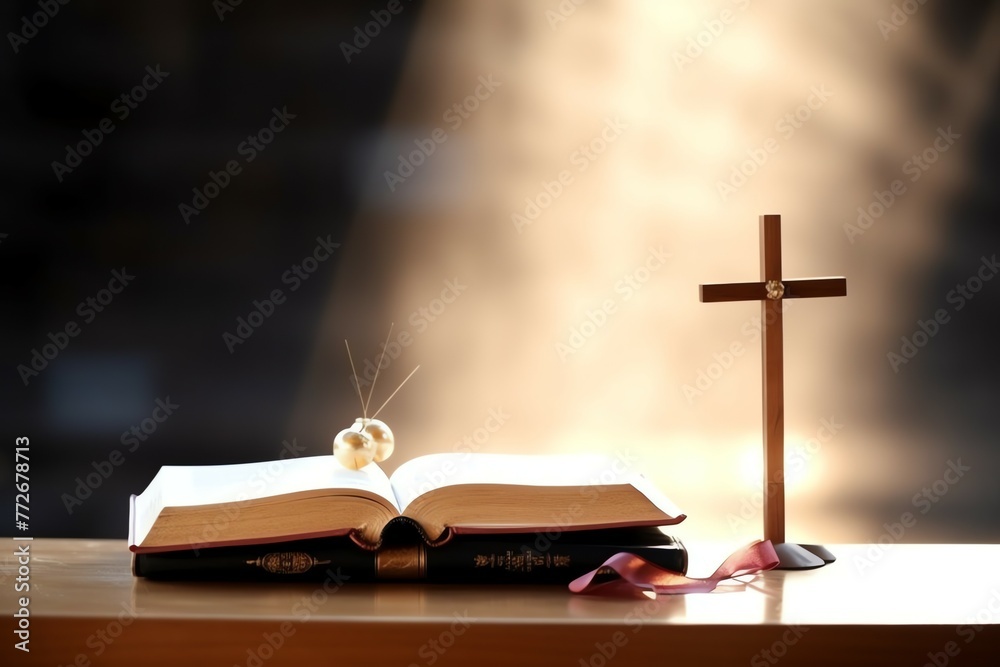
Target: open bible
{"points": [[442, 495]]}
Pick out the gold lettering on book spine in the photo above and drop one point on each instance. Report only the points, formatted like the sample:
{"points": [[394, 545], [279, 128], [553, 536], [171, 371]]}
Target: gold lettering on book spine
{"points": [[523, 562], [287, 562], [409, 562]]}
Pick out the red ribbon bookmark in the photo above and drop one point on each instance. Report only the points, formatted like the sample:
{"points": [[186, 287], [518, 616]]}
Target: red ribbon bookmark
{"points": [[638, 573]]}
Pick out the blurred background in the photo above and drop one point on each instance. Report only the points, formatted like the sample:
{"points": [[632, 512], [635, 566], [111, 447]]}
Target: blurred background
{"points": [[532, 193]]}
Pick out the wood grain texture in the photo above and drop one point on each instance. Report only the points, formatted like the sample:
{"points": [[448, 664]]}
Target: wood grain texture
{"points": [[815, 287], [876, 605], [770, 247], [722, 292], [773, 381]]}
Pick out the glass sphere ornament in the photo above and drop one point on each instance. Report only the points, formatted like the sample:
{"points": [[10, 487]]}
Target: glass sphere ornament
{"points": [[381, 435], [367, 440], [353, 449]]}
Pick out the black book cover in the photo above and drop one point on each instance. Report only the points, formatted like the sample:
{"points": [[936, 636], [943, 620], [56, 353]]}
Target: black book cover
{"points": [[514, 558]]}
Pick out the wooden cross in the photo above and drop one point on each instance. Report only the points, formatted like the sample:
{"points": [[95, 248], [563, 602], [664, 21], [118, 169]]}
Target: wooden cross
{"points": [[771, 290]]}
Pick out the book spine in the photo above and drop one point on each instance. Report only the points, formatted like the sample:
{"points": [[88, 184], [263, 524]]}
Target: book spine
{"points": [[479, 562], [343, 563], [503, 563]]}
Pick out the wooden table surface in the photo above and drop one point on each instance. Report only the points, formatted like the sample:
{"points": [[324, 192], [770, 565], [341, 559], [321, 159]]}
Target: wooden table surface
{"points": [[895, 604]]}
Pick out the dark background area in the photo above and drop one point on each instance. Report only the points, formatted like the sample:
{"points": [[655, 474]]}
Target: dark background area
{"points": [[162, 336]]}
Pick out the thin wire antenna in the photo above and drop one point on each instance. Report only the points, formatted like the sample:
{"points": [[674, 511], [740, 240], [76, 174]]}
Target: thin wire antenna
{"points": [[357, 385], [394, 393], [377, 368]]}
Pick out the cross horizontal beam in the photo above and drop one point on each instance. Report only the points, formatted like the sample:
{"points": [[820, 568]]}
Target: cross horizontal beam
{"points": [[794, 289]]}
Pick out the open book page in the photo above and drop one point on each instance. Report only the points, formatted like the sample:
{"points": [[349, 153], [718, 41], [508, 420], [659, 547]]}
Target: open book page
{"points": [[181, 486], [434, 471]]}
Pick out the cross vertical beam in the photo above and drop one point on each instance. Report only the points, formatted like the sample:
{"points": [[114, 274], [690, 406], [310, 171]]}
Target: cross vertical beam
{"points": [[773, 381]]}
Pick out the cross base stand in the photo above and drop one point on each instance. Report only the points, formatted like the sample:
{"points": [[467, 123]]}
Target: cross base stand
{"points": [[802, 556]]}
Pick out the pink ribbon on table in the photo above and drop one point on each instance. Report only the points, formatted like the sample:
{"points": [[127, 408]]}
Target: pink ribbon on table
{"points": [[638, 573]]}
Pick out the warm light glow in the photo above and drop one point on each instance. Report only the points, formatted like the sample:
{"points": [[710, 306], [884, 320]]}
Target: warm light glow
{"points": [[752, 465], [571, 321]]}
